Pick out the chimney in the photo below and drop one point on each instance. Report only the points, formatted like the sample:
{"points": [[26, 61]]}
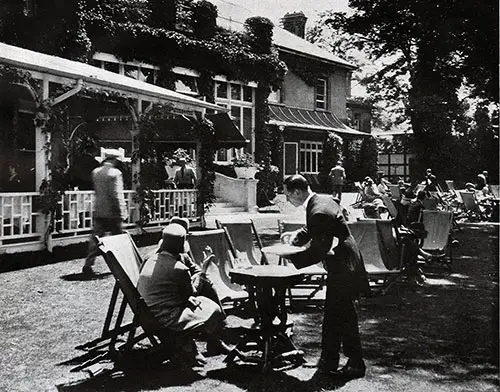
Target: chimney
{"points": [[295, 23]]}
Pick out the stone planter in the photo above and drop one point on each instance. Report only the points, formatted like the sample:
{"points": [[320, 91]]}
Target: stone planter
{"points": [[246, 172]]}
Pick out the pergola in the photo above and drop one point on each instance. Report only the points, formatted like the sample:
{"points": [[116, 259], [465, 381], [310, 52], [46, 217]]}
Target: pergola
{"points": [[75, 75]]}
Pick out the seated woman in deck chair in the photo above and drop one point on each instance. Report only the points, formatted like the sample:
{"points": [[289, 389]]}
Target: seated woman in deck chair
{"points": [[371, 199], [174, 297]]}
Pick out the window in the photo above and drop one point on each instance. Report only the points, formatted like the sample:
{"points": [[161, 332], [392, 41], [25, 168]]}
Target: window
{"points": [[310, 156], [240, 98], [321, 94]]}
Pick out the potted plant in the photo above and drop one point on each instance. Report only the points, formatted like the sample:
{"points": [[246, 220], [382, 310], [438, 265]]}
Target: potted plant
{"points": [[245, 166]]}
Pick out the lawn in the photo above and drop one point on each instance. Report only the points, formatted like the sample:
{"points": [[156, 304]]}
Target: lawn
{"points": [[440, 337]]}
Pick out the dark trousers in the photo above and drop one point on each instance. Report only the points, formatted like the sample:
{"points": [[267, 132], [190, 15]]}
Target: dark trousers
{"points": [[337, 191], [340, 326], [101, 226]]}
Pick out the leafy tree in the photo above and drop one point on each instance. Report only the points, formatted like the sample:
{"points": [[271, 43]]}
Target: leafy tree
{"points": [[426, 50]]}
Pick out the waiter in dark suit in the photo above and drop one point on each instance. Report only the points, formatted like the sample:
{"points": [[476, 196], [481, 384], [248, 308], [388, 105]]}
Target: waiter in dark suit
{"points": [[330, 241]]}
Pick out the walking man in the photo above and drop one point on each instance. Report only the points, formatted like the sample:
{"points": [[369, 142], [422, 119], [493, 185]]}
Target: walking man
{"points": [[332, 243], [109, 204], [337, 176]]}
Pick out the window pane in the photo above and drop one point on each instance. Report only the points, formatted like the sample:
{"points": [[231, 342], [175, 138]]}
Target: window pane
{"points": [[113, 67], [247, 125], [247, 94], [236, 115], [236, 91], [221, 89]]}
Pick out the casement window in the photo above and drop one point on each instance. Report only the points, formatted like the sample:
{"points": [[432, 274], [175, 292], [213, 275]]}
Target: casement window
{"points": [[321, 93], [310, 156], [240, 98]]}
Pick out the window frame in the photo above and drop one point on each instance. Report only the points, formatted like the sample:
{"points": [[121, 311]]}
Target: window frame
{"points": [[309, 157], [321, 104]]}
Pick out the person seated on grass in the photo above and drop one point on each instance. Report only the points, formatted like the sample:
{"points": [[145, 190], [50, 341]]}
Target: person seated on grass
{"points": [[173, 288]]}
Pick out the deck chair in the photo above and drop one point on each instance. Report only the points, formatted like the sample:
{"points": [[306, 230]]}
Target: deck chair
{"points": [[471, 206], [314, 276], [395, 191], [495, 190], [359, 196], [381, 256], [217, 268], [438, 225], [124, 261], [244, 241]]}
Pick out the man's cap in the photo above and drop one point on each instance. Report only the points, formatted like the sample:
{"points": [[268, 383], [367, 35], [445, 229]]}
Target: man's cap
{"points": [[184, 222], [173, 237]]}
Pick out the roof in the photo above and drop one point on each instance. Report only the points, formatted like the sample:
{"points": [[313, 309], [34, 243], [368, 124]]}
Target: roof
{"points": [[96, 77], [309, 119], [232, 16]]}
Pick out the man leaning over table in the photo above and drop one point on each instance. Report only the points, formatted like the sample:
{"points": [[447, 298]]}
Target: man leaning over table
{"points": [[346, 279]]}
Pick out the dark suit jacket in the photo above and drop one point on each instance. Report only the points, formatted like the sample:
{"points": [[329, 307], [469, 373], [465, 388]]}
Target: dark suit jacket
{"points": [[324, 221]]}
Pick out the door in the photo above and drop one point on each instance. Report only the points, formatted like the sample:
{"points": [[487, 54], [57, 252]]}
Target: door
{"points": [[290, 158]]}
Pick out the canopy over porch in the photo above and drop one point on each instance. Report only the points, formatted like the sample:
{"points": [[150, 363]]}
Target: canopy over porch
{"points": [[59, 70]]}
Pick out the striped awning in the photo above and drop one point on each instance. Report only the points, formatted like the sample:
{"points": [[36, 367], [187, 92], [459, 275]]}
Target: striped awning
{"points": [[309, 119]]}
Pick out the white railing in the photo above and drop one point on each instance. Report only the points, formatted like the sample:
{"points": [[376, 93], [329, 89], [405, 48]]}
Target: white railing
{"points": [[20, 221], [19, 217]]}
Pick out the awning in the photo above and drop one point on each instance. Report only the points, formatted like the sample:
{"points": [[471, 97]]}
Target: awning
{"points": [[68, 71], [178, 130], [309, 119]]}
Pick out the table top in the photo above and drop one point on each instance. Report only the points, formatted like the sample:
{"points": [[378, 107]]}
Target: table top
{"points": [[283, 249], [275, 275]]}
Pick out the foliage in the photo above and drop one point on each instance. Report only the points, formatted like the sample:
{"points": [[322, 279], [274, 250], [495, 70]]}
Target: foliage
{"points": [[368, 157], [50, 196], [204, 128], [244, 160], [332, 153], [423, 48]]}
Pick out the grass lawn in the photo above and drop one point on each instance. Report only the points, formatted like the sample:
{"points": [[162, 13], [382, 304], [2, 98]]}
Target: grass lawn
{"points": [[440, 337]]}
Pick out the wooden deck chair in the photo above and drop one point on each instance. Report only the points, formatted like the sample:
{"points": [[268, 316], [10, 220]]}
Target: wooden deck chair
{"points": [[438, 225], [495, 190], [244, 241], [430, 203], [314, 276], [124, 261], [217, 269], [359, 196], [383, 263], [471, 206], [395, 191]]}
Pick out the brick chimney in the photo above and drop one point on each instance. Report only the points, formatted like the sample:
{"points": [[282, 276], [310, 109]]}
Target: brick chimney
{"points": [[295, 23]]}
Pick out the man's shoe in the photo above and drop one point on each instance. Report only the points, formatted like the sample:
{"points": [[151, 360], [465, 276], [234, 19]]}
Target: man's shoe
{"points": [[323, 366], [351, 371], [88, 271]]}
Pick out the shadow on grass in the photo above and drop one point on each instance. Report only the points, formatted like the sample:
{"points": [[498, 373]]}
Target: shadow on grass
{"points": [[84, 277], [250, 379], [151, 378]]}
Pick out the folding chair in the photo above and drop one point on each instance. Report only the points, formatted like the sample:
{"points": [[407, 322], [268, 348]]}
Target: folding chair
{"points": [[395, 191], [438, 225], [359, 196], [244, 241], [495, 190], [471, 206], [217, 268], [381, 257], [124, 261], [314, 275]]}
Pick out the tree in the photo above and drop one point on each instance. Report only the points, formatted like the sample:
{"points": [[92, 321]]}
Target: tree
{"points": [[427, 52]]}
